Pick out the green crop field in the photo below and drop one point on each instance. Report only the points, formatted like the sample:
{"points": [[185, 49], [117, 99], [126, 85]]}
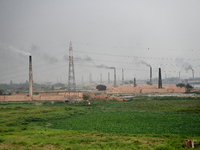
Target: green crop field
{"points": [[143, 123]]}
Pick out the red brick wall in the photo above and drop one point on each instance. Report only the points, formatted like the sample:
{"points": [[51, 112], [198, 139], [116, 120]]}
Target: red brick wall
{"points": [[47, 94], [52, 97], [36, 97], [101, 96], [15, 98], [2, 98]]}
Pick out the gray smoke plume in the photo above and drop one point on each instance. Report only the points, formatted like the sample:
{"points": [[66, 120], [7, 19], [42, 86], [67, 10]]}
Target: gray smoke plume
{"points": [[66, 57], [144, 63], [104, 66], [50, 59], [36, 50], [14, 49], [185, 65], [79, 59]]}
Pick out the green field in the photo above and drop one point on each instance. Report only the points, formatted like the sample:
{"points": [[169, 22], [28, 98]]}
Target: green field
{"points": [[143, 123]]}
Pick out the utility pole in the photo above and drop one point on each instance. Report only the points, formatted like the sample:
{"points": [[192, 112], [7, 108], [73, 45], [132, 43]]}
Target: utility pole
{"points": [[71, 76]]}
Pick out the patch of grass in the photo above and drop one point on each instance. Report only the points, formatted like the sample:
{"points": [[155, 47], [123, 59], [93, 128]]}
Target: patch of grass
{"points": [[142, 123], [132, 123], [2, 140]]}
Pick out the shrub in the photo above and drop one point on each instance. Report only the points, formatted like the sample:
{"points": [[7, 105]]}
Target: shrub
{"points": [[148, 83], [2, 140], [1, 92], [188, 86], [180, 85], [86, 96], [36, 93], [17, 92], [101, 87]]}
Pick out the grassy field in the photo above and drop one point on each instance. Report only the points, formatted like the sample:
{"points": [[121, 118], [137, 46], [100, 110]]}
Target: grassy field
{"points": [[143, 123]]}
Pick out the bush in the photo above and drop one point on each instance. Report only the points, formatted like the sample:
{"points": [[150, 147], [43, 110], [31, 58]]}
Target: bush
{"points": [[148, 83], [1, 92], [180, 85], [188, 86], [17, 92], [35, 93], [2, 140], [131, 82], [101, 87], [86, 96]]}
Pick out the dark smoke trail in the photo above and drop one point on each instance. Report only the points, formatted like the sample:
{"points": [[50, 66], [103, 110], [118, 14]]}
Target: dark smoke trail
{"points": [[186, 66], [79, 59], [104, 66], [144, 63]]}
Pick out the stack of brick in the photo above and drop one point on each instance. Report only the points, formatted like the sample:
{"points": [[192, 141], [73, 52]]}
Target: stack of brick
{"points": [[98, 97], [63, 94], [15, 98], [91, 96], [37, 97], [22, 94], [40, 96], [77, 95], [47, 94], [120, 99], [2, 98], [142, 88]]}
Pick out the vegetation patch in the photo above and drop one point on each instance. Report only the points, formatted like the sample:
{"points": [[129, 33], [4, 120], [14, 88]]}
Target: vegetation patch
{"points": [[159, 123]]}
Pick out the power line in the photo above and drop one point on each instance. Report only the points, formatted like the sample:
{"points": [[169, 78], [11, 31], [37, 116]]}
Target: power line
{"points": [[129, 56], [135, 48]]}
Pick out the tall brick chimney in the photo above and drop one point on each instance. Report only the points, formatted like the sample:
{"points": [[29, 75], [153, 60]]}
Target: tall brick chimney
{"points": [[122, 76], [193, 74], [108, 78], [30, 77], [100, 77], [159, 79], [151, 76], [135, 82], [115, 82]]}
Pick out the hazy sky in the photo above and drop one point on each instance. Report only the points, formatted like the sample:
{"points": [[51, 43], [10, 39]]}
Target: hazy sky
{"points": [[116, 33]]}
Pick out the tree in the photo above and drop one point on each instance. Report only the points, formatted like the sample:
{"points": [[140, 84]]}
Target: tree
{"points": [[86, 96], [101, 87], [125, 82], [188, 86], [1, 92], [180, 85], [17, 92], [131, 82], [148, 83]]}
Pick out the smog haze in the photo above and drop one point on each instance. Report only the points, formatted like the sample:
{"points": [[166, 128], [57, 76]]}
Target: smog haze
{"points": [[130, 35]]}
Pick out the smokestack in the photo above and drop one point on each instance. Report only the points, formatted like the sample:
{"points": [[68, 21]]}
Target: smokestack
{"points": [[90, 78], [82, 81], [151, 83], [193, 74], [159, 79], [115, 84], [122, 76], [30, 77], [108, 78], [135, 82], [101, 78], [179, 76]]}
